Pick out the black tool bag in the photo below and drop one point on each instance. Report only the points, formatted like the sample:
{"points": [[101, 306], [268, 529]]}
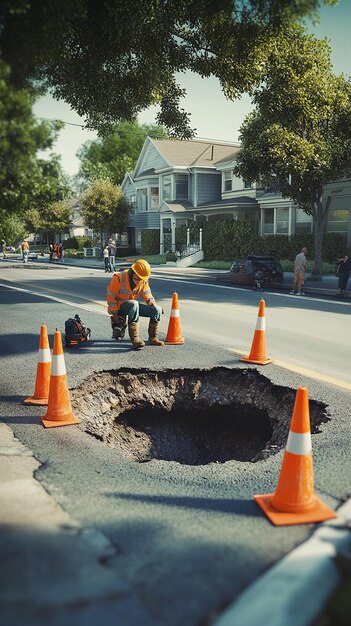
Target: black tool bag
{"points": [[75, 332]]}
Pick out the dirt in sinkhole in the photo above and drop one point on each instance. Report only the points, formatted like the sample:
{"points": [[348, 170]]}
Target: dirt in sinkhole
{"points": [[191, 416]]}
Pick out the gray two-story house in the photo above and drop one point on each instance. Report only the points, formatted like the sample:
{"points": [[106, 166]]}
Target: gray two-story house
{"points": [[177, 181]]}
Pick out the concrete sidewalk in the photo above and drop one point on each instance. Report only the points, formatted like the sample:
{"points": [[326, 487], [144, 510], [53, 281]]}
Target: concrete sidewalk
{"points": [[52, 569], [328, 286]]}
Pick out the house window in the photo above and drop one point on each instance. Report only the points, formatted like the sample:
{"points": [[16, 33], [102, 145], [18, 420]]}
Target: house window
{"points": [[268, 227], [338, 220], [181, 186], [282, 221], [154, 204], [167, 188], [122, 239], [247, 184], [133, 201], [138, 238], [227, 176], [273, 185], [142, 200], [303, 222]]}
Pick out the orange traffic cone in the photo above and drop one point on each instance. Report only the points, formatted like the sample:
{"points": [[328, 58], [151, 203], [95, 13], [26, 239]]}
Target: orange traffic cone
{"points": [[294, 501], [42, 383], [258, 347], [59, 411], [174, 333]]}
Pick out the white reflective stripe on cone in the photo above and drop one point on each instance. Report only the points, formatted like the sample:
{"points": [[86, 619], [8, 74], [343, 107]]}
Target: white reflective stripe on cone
{"points": [[261, 323], [58, 367], [44, 355], [175, 313], [299, 443]]}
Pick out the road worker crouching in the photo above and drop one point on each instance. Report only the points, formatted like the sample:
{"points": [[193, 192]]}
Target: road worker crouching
{"points": [[123, 291]]}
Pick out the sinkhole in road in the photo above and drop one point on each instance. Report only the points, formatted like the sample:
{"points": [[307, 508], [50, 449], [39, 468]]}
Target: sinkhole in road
{"points": [[192, 416]]}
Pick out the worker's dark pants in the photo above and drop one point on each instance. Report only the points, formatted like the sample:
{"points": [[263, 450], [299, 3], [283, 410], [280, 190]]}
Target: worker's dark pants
{"points": [[133, 309]]}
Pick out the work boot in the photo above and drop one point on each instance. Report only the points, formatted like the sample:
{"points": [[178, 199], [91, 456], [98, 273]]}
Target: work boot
{"points": [[119, 326], [133, 330], [153, 339]]}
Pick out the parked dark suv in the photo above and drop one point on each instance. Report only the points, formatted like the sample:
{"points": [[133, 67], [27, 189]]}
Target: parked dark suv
{"points": [[257, 272]]}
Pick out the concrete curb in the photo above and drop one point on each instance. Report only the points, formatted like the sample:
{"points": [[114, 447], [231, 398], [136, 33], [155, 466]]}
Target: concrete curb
{"points": [[297, 588]]}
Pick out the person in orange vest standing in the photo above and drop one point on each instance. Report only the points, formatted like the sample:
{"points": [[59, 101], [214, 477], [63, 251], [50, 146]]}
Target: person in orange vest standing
{"points": [[55, 255], [122, 293], [25, 250]]}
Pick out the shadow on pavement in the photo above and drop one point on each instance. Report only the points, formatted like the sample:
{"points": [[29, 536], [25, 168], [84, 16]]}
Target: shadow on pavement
{"points": [[243, 507]]}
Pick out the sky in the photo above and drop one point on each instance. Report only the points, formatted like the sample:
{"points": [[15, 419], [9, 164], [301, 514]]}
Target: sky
{"points": [[211, 114]]}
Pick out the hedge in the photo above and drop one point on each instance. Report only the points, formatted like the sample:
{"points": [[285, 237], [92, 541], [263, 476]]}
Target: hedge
{"points": [[150, 241], [78, 242], [224, 240]]}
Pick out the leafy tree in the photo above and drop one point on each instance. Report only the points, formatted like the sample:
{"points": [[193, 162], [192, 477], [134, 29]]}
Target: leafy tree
{"points": [[12, 229], [50, 184], [115, 154], [54, 218], [105, 207], [109, 60], [300, 128], [26, 181]]}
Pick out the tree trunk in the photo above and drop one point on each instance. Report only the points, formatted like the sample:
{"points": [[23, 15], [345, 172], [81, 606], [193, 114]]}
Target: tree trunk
{"points": [[319, 218]]}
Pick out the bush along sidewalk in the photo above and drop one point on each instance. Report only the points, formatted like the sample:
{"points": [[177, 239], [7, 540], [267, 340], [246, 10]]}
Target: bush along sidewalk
{"points": [[287, 265], [225, 240]]}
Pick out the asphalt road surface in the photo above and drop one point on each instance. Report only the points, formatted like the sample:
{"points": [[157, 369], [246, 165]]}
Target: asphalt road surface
{"points": [[307, 333], [185, 540]]}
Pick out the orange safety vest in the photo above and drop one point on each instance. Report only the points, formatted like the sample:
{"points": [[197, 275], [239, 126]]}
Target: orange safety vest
{"points": [[119, 290]]}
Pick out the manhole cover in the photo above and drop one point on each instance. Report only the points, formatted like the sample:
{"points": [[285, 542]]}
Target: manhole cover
{"points": [[190, 416]]}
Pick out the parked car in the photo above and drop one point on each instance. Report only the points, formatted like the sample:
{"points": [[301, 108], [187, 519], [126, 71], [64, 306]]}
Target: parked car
{"points": [[10, 248], [257, 272]]}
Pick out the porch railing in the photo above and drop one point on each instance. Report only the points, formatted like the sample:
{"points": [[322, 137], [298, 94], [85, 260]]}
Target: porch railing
{"points": [[188, 250]]}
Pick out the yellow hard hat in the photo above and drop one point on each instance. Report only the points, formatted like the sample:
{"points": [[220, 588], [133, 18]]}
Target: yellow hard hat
{"points": [[142, 269]]}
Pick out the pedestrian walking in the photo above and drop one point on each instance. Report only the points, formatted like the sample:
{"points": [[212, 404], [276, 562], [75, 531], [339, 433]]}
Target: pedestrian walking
{"points": [[61, 252], [300, 267], [51, 251], [3, 243], [106, 258], [25, 250], [112, 254], [343, 272], [56, 252]]}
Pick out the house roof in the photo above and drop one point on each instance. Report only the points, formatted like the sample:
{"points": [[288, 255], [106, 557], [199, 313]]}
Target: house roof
{"points": [[229, 157], [78, 221], [237, 203], [125, 179], [234, 201], [175, 207], [149, 172], [194, 152]]}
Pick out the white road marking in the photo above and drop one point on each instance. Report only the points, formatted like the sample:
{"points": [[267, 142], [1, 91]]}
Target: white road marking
{"points": [[55, 299], [283, 364]]}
